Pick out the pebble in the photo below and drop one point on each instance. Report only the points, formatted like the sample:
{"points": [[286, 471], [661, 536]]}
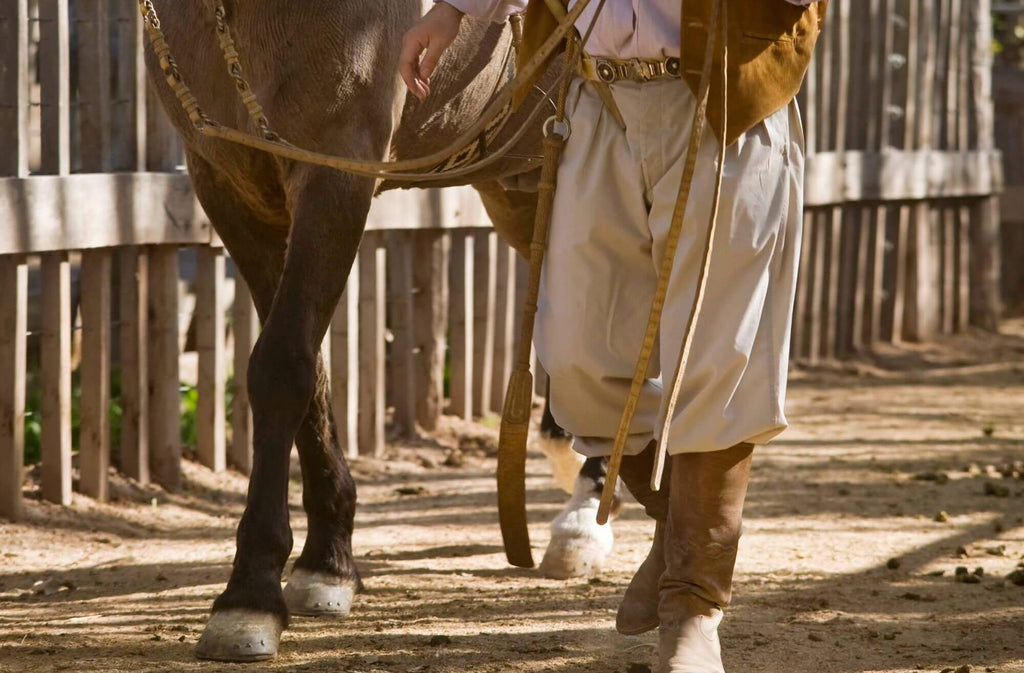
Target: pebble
{"points": [[941, 517], [814, 637], [439, 640], [1017, 577], [996, 490], [636, 667], [962, 552], [999, 550], [893, 564]]}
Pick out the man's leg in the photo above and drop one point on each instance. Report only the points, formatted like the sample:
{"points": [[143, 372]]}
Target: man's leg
{"points": [[704, 519], [638, 612], [596, 291], [733, 391]]}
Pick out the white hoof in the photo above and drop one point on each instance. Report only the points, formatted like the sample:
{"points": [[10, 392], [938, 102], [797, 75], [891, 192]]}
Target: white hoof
{"points": [[578, 546], [240, 635], [318, 594], [565, 463]]}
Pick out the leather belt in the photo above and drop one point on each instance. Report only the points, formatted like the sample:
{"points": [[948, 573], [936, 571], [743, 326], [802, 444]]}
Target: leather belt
{"points": [[611, 70]]}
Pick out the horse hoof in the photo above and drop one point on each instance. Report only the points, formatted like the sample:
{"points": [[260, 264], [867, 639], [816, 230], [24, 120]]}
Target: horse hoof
{"points": [[578, 546], [318, 594], [240, 635]]}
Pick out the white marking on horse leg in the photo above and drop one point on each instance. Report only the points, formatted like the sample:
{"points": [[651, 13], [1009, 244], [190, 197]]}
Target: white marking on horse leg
{"points": [[565, 463], [578, 546]]}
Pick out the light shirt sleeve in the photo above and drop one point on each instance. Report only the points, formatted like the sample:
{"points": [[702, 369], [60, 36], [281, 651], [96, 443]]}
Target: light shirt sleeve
{"points": [[491, 10]]}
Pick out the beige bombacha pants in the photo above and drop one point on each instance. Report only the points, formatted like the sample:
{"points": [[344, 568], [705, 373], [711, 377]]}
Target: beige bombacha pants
{"points": [[613, 207]]}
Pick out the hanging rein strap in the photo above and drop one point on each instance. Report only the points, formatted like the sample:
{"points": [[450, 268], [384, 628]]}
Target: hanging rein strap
{"points": [[409, 170], [515, 417], [717, 25]]}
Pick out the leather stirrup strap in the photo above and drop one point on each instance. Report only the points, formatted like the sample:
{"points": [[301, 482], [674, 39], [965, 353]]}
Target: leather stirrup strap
{"points": [[515, 417], [716, 26]]}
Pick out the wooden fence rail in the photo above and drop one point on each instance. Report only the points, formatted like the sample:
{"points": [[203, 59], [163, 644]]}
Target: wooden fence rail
{"points": [[902, 181]]}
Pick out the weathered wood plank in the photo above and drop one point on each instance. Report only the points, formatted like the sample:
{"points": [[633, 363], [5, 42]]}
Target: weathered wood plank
{"points": [[55, 86], [801, 310], [245, 329], [210, 332], [430, 325], [949, 280], [372, 325], [896, 175], [79, 212], [134, 300], [164, 382], [13, 333], [63, 213], [922, 310], [817, 289], [861, 306], [345, 364], [14, 87], [963, 268], [93, 90], [462, 323], [484, 290], [402, 379], [94, 443], [504, 334], [55, 378]]}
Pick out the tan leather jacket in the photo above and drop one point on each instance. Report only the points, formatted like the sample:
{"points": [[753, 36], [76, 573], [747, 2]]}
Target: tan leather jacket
{"points": [[770, 44]]}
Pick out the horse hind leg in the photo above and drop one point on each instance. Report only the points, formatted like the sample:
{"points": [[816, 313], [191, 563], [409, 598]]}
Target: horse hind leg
{"points": [[324, 580]]}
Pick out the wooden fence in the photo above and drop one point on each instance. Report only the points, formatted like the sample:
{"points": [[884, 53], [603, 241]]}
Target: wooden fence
{"points": [[1008, 96], [901, 226], [900, 190]]}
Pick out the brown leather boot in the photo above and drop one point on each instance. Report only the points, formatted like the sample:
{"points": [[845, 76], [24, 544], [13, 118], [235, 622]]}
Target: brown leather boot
{"points": [[703, 531], [638, 612]]}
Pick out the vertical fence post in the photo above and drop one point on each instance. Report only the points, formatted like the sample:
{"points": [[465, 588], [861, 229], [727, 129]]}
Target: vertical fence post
{"points": [[93, 102], [245, 327], [462, 325], [134, 299], [985, 262], [430, 323], [56, 378], [504, 326], [14, 107], [14, 88], [372, 316], [345, 364], [55, 86], [484, 290], [402, 381], [94, 449], [164, 382], [13, 328], [210, 328]]}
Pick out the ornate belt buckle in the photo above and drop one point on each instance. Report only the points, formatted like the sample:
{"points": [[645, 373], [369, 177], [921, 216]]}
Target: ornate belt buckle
{"points": [[605, 71]]}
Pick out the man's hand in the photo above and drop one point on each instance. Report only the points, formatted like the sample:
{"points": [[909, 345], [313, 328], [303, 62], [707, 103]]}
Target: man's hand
{"points": [[434, 33]]}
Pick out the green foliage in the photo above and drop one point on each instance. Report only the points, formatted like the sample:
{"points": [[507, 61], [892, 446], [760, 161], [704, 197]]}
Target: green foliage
{"points": [[33, 415]]}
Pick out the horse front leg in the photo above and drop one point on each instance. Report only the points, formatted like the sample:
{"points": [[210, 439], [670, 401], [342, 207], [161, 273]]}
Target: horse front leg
{"points": [[328, 215]]}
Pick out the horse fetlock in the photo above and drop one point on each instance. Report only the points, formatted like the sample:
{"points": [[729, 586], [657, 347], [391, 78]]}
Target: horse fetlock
{"points": [[240, 635]]}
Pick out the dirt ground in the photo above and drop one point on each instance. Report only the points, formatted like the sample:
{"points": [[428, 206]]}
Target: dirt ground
{"points": [[891, 477]]}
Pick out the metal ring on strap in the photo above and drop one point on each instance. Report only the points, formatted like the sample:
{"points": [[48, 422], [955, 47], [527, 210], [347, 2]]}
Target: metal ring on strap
{"points": [[558, 127]]}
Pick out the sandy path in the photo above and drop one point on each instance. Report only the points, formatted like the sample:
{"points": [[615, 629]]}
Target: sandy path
{"points": [[832, 503]]}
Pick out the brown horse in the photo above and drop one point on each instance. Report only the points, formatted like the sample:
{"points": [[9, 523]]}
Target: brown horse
{"points": [[325, 72]]}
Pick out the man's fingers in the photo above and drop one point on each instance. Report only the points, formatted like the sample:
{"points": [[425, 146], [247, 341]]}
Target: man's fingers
{"points": [[430, 59], [409, 65]]}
